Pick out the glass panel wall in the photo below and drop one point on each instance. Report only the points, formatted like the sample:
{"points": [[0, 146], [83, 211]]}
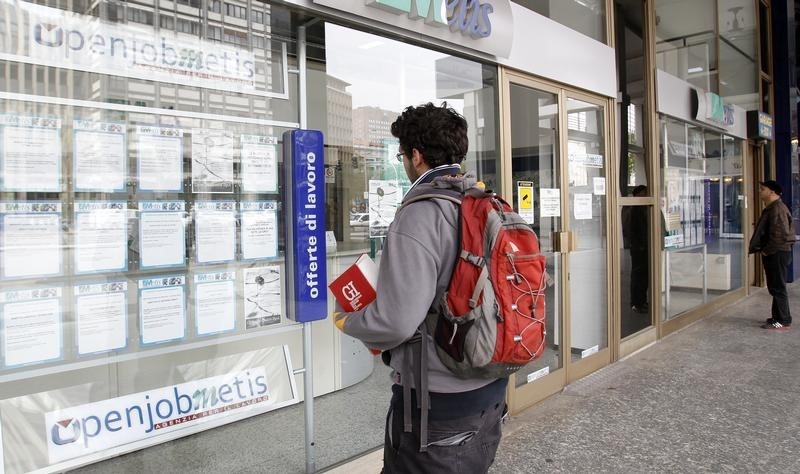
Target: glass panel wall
{"points": [[359, 106], [141, 212], [355, 106], [142, 233], [722, 60], [738, 53], [685, 42], [629, 21], [635, 268], [703, 199], [585, 16]]}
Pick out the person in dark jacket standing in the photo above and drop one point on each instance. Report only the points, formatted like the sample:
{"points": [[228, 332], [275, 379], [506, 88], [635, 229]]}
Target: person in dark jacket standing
{"points": [[773, 237], [636, 237], [464, 415]]}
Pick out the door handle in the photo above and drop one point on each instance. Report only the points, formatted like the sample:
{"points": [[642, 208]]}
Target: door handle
{"points": [[564, 242]]}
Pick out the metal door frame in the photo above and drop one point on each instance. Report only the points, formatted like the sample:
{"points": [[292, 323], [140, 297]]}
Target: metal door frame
{"points": [[529, 394]]}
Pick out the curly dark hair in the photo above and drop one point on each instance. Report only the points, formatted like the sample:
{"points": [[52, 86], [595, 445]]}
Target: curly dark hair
{"points": [[439, 133]]}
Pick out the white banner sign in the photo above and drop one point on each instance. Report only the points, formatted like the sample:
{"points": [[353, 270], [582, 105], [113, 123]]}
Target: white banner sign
{"points": [[68, 40], [85, 429]]}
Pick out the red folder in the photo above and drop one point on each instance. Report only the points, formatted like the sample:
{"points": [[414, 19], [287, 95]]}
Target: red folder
{"points": [[355, 287]]}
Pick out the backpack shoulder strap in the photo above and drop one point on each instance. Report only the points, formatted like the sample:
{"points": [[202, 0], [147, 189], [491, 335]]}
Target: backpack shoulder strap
{"points": [[434, 195]]}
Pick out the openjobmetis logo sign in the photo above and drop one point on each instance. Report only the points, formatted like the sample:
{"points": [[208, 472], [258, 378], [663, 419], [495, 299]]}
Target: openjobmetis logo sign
{"points": [[48, 34], [69, 40], [93, 427]]}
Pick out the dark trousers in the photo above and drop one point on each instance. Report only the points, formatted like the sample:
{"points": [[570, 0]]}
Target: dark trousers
{"points": [[775, 267], [640, 275], [460, 445]]}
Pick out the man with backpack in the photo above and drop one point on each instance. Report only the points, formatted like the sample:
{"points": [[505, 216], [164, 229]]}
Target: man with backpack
{"points": [[463, 414]]}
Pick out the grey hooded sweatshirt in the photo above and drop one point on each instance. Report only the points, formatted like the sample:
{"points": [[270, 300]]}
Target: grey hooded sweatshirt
{"points": [[418, 258]]}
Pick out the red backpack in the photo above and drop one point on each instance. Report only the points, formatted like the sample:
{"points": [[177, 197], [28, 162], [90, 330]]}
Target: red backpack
{"points": [[491, 319]]}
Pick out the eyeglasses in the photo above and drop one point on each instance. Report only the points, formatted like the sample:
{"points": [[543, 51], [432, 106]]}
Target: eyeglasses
{"points": [[400, 156]]}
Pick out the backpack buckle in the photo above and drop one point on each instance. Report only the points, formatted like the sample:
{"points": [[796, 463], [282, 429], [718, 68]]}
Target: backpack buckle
{"points": [[473, 259]]}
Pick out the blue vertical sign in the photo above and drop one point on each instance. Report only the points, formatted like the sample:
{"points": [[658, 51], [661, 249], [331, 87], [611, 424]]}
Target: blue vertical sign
{"points": [[304, 163]]}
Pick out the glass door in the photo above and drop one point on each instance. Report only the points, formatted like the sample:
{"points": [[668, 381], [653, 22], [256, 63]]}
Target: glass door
{"points": [[532, 146], [587, 260], [555, 155]]}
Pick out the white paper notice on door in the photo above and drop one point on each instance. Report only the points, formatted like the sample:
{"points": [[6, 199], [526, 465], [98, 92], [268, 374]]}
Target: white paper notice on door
{"points": [[550, 202], [582, 206], [599, 185]]}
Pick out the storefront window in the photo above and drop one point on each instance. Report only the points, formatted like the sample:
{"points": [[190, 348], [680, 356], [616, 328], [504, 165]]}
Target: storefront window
{"points": [[360, 88], [629, 18], [368, 81], [585, 16], [685, 43], [703, 210], [722, 61], [142, 233], [635, 267]]}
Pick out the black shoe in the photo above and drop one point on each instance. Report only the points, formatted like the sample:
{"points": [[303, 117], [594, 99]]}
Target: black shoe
{"points": [[776, 326], [769, 320]]}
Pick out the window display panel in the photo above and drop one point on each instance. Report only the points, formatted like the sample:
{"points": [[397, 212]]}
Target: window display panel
{"points": [[134, 207], [31, 239], [365, 180], [100, 156], [701, 199], [30, 152], [101, 317]]}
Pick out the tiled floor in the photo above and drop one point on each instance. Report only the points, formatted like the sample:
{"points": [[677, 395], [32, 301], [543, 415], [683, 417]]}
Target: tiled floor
{"points": [[723, 395]]}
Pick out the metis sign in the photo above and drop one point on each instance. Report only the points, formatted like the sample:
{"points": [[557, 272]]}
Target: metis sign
{"points": [[470, 17], [86, 429], [484, 25], [58, 38]]}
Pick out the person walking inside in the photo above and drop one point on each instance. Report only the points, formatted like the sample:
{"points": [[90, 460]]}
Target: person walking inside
{"points": [[464, 415], [773, 237]]}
